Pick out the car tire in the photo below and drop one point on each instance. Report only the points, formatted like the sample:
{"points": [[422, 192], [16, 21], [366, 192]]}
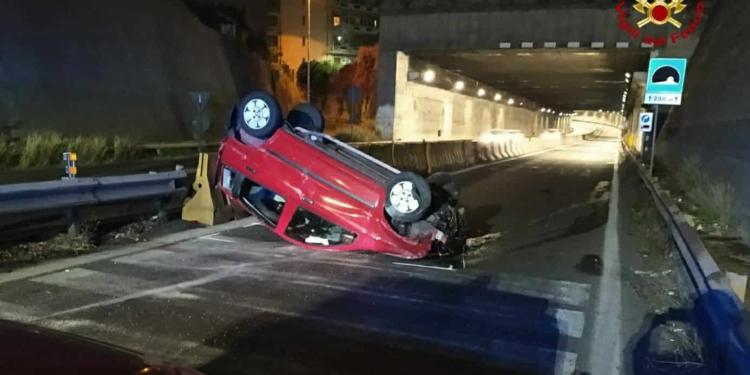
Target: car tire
{"points": [[308, 117], [448, 183], [259, 115], [408, 197]]}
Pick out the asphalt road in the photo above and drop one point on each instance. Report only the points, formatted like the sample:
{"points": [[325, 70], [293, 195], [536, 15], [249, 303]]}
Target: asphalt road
{"points": [[241, 302]]}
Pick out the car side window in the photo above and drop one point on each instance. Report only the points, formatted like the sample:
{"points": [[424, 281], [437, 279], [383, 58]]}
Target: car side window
{"points": [[263, 201], [312, 229]]}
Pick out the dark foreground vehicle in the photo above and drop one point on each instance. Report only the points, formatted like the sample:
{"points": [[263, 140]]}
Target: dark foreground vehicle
{"points": [[28, 350], [320, 193]]}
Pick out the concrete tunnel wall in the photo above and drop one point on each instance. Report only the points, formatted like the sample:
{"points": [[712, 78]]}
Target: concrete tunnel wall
{"points": [[713, 122], [421, 112]]}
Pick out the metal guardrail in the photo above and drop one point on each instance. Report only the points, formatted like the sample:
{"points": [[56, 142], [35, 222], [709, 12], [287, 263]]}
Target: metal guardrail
{"points": [[720, 312], [177, 145], [71, 193]]}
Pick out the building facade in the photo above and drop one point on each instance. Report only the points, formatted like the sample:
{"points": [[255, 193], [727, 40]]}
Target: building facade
{"points": [[338, 29]]}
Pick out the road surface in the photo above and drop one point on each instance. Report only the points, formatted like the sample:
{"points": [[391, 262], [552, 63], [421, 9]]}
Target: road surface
{"points": [[239, 301]]}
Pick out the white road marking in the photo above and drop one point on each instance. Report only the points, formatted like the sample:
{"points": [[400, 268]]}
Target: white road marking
{"points": [[168, 290], [559, 291], [145, 342], [214, 237], [565, 362], [105, 255], [105, 283], [18, 313], [144, 256], [605, 356], [569, 323], [252, 225], [421, 266], [469, 169]]}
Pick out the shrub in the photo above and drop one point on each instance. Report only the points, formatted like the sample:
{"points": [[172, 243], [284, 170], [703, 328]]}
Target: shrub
{"points": [[7, 153], [91, 150], [42, 149], [125, 149], [716, 199]]}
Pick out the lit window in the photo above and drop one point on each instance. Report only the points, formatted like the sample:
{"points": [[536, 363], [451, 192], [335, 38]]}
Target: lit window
{"points": [[336, 21]]}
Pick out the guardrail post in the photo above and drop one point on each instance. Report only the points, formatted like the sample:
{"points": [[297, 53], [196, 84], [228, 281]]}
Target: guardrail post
{"points": [[160, 206], [427, 156], [393, 152], [72, 220]]}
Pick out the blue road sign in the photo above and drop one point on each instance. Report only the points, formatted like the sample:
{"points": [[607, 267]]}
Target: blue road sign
{"points": [[665, 81], [646, 121]]}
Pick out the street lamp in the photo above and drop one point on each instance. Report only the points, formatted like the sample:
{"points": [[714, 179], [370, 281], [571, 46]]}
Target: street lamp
{"points": [[428, 76], [309, 33]]}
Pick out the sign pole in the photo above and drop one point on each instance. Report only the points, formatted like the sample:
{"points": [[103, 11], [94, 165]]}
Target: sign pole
{"points": [[653, 140]]}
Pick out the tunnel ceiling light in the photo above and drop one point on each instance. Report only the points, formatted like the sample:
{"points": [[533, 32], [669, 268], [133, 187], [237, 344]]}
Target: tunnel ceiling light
{"points": [[498, 97], [428, 76], [511, 101], [627, 75], [600, 111], [459, 85], [339, 38], [481, 92], [544, 109]]}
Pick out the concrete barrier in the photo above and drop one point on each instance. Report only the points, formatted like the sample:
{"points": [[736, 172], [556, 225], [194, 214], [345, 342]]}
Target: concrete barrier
{"points": [[430, 157]]}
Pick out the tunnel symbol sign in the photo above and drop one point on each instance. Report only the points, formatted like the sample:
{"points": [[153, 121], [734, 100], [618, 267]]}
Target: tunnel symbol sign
{"points": [[646, 122], [665, 81]]}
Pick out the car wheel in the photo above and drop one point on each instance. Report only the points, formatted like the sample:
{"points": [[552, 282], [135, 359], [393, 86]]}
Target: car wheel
{"points": [[308, 117], [448, 183], [408, 197], [259, 114]]}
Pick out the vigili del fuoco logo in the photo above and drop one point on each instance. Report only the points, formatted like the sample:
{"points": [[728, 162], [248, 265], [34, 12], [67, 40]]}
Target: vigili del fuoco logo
{"points": [[660, 13]]}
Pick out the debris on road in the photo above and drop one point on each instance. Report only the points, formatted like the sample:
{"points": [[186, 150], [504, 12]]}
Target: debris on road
{"points": [[63, 245], [477, 242]]}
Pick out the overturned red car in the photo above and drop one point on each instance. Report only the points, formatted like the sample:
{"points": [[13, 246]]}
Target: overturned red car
{"points": [[323, 194]]}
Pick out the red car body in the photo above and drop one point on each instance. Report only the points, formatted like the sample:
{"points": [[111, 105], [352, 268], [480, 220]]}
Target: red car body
{"points": [[327, 178]]}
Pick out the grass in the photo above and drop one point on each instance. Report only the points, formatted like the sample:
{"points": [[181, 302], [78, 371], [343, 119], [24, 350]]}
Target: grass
{"points": [[125, 149], [7, 153], [715, 200], [45, 149], [42, 150]]}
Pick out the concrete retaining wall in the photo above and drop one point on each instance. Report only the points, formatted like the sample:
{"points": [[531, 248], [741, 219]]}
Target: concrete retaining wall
{"points": [[430, 157], [414, 111]]}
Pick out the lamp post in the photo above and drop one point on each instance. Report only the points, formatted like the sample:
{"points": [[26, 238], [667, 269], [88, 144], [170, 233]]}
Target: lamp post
{"points": [[309, 32]]}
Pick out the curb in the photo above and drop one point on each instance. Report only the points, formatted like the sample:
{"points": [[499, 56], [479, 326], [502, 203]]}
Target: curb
{"points": [[58, 265]]}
